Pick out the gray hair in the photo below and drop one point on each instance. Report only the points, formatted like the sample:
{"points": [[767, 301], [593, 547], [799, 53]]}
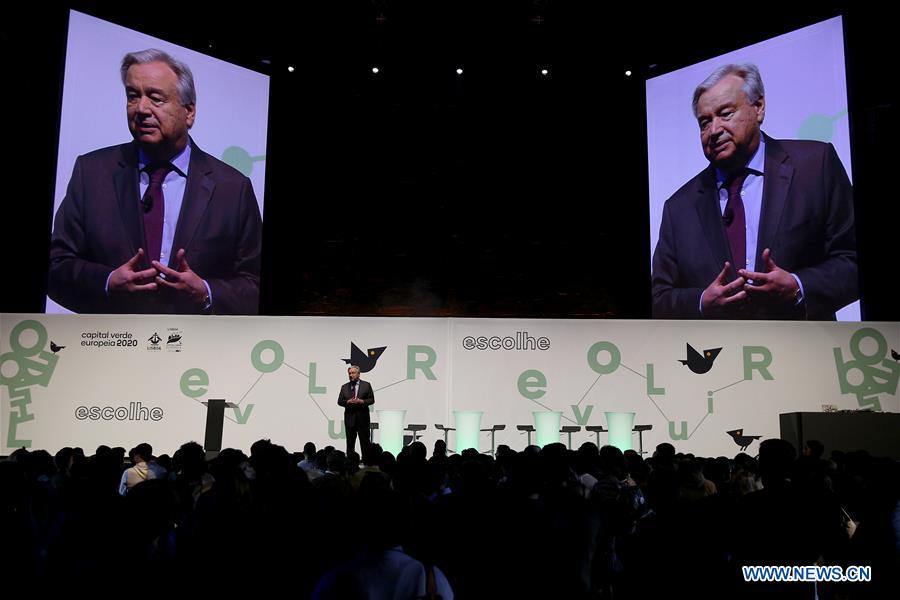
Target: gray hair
{"points": [[185, 86], [753, 85], [352, 367]]}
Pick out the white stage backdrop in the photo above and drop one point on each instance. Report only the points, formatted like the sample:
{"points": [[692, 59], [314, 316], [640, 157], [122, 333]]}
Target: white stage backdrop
{"points": [[80, 380]]}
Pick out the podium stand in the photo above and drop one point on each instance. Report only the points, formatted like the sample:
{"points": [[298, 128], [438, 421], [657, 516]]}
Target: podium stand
{"points": [[493, 430], [640, 431], [215, 425], [570, 429], [446, 431], [416, 430], [528, 429], [597, 429]]}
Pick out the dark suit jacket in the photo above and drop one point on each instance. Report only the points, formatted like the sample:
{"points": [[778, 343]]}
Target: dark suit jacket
{"points": [[99, 226], [357, 415], [806, 220]]}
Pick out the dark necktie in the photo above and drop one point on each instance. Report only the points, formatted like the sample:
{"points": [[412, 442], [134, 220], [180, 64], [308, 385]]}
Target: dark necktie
{"points": [[154, 208], [735, 221]]}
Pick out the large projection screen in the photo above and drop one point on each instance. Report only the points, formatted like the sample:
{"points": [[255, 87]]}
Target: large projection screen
{"points": [[232, 104], [806, 98]]}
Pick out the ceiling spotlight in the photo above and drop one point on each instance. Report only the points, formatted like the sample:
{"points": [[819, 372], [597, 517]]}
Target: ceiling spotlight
{"points": [[290, 69], [545, 72], [459, 71], [375, 70], [628, 73], [266, 61]]}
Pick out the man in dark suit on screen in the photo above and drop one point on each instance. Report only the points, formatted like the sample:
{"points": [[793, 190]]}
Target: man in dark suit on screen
{"points": [[766, 231], [356, 396], [156, 225]]}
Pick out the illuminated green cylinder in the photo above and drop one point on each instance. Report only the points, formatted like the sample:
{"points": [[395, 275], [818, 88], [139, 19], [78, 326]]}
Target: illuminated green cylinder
{"points": [[390, 430], [468, 427], [620, 426], [546, 426]]}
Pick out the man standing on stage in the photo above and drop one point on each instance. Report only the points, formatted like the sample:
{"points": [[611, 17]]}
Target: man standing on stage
{"points": [[356, 396]]}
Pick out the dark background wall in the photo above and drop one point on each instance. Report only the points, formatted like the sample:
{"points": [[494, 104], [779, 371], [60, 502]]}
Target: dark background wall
{"points": [[419, 192]]}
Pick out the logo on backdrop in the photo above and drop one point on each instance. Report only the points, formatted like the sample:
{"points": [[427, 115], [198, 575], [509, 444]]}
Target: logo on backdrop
{"points": [[120, 340], [27, 364], [700, 363], [135, 411], [173, 339], [520, 341], [364, 360], [870, 371], [154, 341], [742, 440]]}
